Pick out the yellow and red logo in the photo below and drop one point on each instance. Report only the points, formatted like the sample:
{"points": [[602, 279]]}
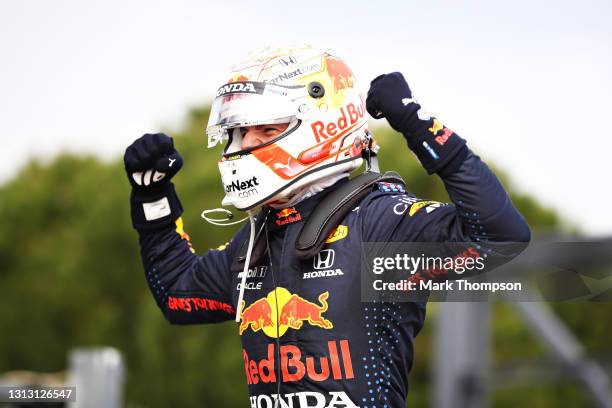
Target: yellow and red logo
{"points": [[287, 216], [428, 205], [281, 310], [436, 127], [237, 78], [337, 234], [180, 229], [341, 75]]}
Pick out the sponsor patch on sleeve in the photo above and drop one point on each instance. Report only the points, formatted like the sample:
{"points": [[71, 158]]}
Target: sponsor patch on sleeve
{"points": [[390, 187], [429, 206], [180, 229]]}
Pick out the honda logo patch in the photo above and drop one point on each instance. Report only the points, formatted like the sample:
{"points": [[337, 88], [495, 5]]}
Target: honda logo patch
{"points": [[324, 259]]}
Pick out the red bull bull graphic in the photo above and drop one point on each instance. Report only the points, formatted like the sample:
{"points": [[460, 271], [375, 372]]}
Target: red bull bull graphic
{"points": [[335, 363], [237, 78], [298, 310], [281, 310], [257, 315], [286, 212], [341, 75], [287, 216]]}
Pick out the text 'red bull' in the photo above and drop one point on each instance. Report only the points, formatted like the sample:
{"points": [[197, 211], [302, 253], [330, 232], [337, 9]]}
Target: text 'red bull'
{"points": [[446, 133], [350, 114], [294, 366]]}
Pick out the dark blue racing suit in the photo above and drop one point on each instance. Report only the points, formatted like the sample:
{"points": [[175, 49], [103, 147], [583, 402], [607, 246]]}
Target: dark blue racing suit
{"points": [[316, 344]]}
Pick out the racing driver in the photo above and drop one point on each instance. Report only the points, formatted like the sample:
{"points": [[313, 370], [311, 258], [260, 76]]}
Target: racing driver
{"points": [[295, 125]]}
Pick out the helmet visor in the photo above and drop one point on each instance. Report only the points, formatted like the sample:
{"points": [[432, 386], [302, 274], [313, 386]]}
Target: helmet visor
{"points": [[250, 103]]}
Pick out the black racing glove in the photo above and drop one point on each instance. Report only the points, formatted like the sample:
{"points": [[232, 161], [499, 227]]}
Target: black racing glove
{"points": [[438, 148], [150, 162]]}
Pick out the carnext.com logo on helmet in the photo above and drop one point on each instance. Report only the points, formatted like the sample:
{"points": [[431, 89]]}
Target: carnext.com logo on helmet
{"points": [[293, 311], [238, 185]]}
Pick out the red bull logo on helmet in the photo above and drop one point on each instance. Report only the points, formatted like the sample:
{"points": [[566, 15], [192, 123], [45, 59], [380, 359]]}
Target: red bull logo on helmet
{"points": [[293, 312], [350, 115], [341, 75], [237, 78]]}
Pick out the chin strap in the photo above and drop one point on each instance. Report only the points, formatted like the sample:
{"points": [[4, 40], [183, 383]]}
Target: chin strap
{"points": [[245, 271]]}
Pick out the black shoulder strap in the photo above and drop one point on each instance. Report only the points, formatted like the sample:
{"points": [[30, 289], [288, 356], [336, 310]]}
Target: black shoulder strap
{"points": [[333, 208]]}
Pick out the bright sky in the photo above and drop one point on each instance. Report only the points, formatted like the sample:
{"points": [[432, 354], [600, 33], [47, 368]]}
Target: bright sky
{"points": [[526, 82]]}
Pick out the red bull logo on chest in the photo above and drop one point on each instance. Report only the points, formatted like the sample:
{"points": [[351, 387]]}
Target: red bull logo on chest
{"points": [[287, 216], [281, 310]]}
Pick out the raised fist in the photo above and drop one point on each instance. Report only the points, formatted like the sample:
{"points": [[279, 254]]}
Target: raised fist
{"points": [[390, 97], [436, 146], [151, 161]]}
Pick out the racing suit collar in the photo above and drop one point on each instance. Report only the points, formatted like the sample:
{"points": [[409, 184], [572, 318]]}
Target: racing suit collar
{"points": [[281, 217]]}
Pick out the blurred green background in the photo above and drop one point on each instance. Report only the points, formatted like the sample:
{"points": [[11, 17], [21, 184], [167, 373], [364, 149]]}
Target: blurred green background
{"points": [[71, 276]]}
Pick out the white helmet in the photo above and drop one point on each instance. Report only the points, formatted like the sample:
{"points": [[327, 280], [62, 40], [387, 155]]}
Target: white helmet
{"points": [[314, 91]]}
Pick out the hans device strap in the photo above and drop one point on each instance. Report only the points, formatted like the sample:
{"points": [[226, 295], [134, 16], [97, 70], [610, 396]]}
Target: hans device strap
{"points": [[333, 208], [324, 218]]}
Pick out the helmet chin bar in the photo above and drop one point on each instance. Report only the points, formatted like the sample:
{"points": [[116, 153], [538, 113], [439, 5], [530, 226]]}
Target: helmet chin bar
{"points": [[281, 189]]}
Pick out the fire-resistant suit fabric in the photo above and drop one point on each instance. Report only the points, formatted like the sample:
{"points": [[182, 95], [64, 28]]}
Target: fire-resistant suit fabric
{"points": [[316, 344]]}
